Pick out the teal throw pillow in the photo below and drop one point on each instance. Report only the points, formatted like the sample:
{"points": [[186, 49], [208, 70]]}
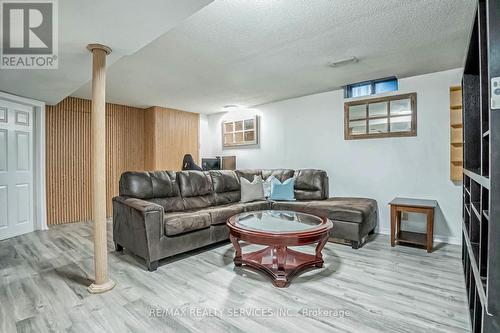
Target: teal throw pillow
{"points": [[282, 191]]}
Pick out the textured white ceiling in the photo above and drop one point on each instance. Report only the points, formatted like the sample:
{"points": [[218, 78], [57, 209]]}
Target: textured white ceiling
{"points": [[253, 52], [124, 25]]}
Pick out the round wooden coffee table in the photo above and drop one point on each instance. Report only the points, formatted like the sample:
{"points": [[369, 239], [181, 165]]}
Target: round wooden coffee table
{"points": [[278, 230]]}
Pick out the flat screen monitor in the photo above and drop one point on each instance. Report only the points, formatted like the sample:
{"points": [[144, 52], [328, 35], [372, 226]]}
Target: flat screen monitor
{"points": [[210, 164]]}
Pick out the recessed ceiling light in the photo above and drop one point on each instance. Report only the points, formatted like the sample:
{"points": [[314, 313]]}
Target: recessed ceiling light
{"points": [[344, 61]]}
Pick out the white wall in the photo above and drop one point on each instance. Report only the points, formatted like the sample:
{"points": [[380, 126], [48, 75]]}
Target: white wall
{"points": [[308, 132]]}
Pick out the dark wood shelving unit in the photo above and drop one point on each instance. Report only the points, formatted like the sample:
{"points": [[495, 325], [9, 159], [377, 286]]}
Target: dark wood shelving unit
{"points": [[481, 171]]}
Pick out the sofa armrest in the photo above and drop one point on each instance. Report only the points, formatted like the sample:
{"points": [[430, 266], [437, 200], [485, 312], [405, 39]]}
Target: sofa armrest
{"points": [[326, 188], [142, 206], [138, 226]]}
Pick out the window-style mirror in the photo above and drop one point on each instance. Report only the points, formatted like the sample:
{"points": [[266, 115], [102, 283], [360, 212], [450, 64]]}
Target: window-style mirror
{"points": [[381, 117]]}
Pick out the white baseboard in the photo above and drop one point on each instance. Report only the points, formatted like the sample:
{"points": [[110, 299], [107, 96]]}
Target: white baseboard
{"points": [[437, 238]]}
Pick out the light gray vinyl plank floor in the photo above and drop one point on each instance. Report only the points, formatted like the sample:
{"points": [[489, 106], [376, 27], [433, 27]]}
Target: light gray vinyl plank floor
{"points": [[44, 275]]}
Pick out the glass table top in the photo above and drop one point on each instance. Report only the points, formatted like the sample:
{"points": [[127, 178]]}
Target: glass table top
{"points": [[277, 221]]}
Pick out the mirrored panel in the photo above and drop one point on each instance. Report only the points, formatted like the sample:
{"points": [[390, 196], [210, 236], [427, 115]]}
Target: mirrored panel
{"points": [[229, 127], [357, 112], [249, 135], [401, 107], [401, 124], [249, 124], [238, 137], [238, 126], [228, 138], [377, 109], [377, 125], [357, 127]]}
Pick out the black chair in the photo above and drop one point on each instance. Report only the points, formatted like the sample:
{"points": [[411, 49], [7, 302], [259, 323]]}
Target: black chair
{"points": [[189, 164]]}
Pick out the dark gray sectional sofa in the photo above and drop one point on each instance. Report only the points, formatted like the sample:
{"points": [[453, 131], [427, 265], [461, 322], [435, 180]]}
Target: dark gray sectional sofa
{"points": [[163, 213]]}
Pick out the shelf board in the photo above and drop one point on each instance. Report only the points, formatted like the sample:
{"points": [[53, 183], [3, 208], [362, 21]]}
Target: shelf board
{"points": [[415, 238], [481, 180], [486, 134], [474, 209], [455, 107], [456, 125], [475, 250], [457, 162], [475, 269], [483, 284], [486, 214], [458, 143]]}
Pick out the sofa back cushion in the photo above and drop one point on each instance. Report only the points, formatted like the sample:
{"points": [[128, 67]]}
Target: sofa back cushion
{"points": [[224, 181], [194, 183], [311, 184], [249, 174], [147, 185], [196, 189], [226, 186], [198, 202], [280, 174]]}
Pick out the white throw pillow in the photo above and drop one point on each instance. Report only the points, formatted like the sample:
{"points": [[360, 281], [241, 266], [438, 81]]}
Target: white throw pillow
{"points": [[267, 186], [252, 191]]}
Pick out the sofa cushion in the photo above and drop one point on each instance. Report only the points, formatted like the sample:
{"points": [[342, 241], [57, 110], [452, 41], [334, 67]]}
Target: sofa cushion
{"points": [[164, 184], [311, 184], [136, 185], [194, 183], [296, 206], [280, 174], [182, 222], [227, 197], [220, 214], [224, 181], [198, 202], [226, 186], [171, 204], [249, 174], [147, 185], [257, 205], [356, 210]]}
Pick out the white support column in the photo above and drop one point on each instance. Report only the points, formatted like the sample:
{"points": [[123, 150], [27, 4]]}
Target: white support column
{"points": [[102, 282]]}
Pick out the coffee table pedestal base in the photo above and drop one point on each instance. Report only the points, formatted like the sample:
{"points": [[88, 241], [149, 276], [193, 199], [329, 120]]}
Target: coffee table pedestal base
{"points": [[280, 263]]}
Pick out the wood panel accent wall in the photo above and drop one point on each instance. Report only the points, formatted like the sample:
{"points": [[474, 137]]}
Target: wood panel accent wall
{"points": [[168, 135], [68, 155]]}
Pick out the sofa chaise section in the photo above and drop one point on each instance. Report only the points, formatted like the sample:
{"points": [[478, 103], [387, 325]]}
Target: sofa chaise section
{"points": [[353, 218]]}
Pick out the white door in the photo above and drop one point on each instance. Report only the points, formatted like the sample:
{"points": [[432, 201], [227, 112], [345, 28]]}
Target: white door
{"points": [[16, 169]]}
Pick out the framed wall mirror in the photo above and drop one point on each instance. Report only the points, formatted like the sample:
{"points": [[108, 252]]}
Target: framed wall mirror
{"points": [[242, 132]]}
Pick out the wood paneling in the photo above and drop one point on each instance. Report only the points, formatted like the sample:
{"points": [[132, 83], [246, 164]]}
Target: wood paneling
{"points": [[169, 135], [68, 155]]}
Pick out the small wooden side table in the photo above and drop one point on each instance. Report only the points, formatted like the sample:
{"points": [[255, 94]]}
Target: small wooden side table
{"points": [[398, 236]]}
